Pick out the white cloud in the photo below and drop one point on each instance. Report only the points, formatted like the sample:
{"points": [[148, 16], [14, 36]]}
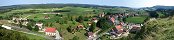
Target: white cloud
{"points": [[149, 3]]}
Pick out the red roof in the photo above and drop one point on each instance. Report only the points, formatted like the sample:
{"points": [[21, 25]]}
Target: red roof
{"points": [[94, 18], [50, 29], [113, 19], [80, 26], [119, 27]]}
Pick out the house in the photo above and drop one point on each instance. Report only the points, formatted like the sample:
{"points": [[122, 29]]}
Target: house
{"points": [[112, 19], [89, 23], [101, 15], [47, 17], [117, 31], [135, 28], [90, 34], [39, 24], [16, 20], [80, 27], [25, 22], [50, 31], [94, 20], [7, 27]]}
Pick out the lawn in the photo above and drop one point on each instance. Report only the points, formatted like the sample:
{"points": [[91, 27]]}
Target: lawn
{"points": [[62, 28], [138, 19], [32, 37]]}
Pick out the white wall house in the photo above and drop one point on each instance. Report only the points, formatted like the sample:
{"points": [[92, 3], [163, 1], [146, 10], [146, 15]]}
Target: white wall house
{"points": [[50, 31], [39, 25]]}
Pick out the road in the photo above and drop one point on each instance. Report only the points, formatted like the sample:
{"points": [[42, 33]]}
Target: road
{"points": [[58, 37]]}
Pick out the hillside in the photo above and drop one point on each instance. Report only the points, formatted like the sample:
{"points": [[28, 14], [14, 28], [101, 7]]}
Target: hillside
{"points": [[159, 29]]}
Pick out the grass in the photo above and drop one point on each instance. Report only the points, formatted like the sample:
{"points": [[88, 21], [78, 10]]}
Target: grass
{"points": [[137, 19], [62, 28], [33, 37]]}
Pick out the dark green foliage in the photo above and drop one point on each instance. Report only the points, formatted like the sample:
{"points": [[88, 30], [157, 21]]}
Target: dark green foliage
{"points": [[104, 23], [1, 17], [20, 24], [1, 27], [153, 14], [46, 24], [11, 35], [51, 24], [92, 27], [58, 11], [35, 17], [80, 19], [70, 29], [36, 28], [86, 18], [29, 27]]}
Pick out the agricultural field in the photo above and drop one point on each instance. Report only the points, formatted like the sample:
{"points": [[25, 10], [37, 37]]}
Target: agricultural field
{"points": [[137, 19]]}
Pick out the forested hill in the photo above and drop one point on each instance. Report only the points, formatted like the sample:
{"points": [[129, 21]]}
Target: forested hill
{"points": [[164, 7], [54, 6], [25, 6], [158, 8]]}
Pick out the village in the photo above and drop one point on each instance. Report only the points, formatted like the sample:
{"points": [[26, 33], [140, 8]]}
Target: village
{"points": [[86, 20], [120, 29]]}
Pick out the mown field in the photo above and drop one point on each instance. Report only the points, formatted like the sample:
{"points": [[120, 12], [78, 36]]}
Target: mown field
{"points": [[137, 19]]}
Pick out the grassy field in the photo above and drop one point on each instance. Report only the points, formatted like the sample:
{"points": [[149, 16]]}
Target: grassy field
{"points": [[33, 37], [138, 19], [37, 14]]}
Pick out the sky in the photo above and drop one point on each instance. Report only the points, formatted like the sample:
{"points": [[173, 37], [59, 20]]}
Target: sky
{"points": [[126, 3]]}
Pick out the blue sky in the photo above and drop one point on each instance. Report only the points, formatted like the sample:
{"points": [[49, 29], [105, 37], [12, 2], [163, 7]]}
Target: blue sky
{"points": [[127, 3]]}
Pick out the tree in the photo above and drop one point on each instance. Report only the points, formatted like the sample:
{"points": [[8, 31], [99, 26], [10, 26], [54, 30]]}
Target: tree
{"points": [[51, 24], [46, 24], [70, 29], [20, 24], [1, 26], [104, 23], [75, 38], [29, 27], [92, 27], [11, 35], [36, 28], [80, 19], [1, 17]]}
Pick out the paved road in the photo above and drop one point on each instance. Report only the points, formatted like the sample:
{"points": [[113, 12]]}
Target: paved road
{"points": [[58, 37]]}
